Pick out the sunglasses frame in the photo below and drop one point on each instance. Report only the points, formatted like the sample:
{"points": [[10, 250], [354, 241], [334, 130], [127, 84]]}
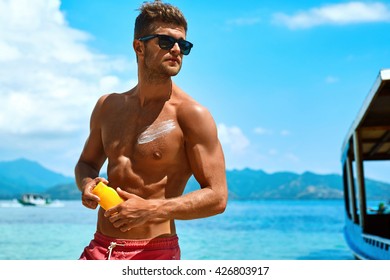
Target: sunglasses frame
{"points": [[184, 45]]}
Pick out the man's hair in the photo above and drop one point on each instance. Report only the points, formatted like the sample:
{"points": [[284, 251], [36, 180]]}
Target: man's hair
{"points": [[153, 12]]}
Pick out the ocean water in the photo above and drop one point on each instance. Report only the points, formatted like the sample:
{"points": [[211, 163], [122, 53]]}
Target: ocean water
{"points": [[247, 230]]}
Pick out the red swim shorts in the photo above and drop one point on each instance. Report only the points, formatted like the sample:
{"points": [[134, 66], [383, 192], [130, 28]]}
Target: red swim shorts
{"points": [[107, 248]]}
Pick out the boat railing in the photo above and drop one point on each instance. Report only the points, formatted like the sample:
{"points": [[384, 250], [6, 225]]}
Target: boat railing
{"points": [[381, 242]]}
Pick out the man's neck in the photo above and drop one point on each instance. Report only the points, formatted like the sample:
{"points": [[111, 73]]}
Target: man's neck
{"points": [[149, 92]]}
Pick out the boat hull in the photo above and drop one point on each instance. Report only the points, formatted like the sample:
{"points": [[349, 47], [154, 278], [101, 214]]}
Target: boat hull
{"points": [[366, 246], [34, 200]]}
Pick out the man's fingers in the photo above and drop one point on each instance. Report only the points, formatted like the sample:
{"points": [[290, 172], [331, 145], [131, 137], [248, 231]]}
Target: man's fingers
{"points": [[118, 224], [90, 204], [124, 194], [101, 179], [125, 228]]}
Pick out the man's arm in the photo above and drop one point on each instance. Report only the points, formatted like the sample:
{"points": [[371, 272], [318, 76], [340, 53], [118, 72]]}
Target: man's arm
{"points": [[207, 162], [91, 160], [206, 159]]}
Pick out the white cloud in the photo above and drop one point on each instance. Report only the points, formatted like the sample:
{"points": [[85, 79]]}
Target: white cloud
{"points": [[109, 83], [265, 131], [244, 21], [292, 157], [49, 77], [331, 80], [273, 152], [240, 152], [285, 132], [262, 131], [336, 14], [232, 138], [8, 52]]}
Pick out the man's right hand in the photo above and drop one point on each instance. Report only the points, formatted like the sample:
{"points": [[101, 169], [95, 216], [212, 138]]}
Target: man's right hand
{"points": [[88, 199]]}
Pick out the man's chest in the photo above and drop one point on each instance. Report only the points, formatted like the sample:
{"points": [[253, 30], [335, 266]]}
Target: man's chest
{"points": [[160, 140]]}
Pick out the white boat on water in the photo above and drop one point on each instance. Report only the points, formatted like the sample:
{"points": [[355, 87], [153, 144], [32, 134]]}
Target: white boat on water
{"points": [[33, 199], [367, 229]]}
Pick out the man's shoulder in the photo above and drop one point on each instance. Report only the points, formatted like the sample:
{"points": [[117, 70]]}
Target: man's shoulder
{"points": [[114, 96], [195, 120], [187, 105], [191, 114], [112, 99]]}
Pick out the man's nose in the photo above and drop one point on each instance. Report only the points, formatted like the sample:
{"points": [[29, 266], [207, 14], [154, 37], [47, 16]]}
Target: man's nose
{"points": [[175, 49]]}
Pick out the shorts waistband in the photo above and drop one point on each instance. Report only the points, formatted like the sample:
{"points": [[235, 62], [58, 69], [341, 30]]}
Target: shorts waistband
{"points": [[133, 244]]}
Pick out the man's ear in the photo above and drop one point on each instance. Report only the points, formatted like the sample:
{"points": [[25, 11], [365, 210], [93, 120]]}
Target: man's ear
{"points": [[138, 47]]}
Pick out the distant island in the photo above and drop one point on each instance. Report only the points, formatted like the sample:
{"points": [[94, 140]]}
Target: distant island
{"points": [[24, 176]]}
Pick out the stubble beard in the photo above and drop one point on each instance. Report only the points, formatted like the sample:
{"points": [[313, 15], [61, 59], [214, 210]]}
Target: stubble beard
{"points": [[161, 73]]}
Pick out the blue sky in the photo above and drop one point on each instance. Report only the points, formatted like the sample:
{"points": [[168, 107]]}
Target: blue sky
{"points": [[283, 79]]}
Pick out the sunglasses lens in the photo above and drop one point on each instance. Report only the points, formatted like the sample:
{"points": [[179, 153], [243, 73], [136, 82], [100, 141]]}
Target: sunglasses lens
{"points": [[185, 47], [166, 42]]}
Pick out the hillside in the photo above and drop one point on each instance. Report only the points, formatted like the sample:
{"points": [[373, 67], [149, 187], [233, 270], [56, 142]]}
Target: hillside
{"points": [[257, 184], [21, 176]]}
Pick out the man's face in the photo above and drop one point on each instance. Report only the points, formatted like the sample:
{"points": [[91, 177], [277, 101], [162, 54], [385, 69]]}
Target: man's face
{"points": [[160, 62]]}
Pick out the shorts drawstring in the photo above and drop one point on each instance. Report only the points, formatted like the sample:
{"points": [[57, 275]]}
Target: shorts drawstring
{"points": [[111, 247]]}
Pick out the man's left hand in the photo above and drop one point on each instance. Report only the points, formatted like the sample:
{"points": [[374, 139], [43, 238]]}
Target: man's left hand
{"points": [[134, 211]]}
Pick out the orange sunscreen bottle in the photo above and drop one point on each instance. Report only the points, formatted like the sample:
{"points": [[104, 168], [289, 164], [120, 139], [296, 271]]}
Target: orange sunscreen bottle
{"points": [[108, 196]]}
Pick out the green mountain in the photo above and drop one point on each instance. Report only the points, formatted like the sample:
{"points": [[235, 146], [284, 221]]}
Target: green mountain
{"points": [[256, 184], [64, 192], [21, 176]]}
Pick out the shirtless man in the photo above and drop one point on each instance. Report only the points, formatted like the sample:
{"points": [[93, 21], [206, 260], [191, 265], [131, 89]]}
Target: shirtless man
{"points": [[154, 137]]}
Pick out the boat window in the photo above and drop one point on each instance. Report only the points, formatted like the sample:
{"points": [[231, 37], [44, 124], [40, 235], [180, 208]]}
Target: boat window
{"points": [[377, 170]]}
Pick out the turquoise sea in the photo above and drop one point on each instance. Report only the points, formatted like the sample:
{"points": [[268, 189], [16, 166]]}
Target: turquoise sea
{"points": [[248, 230]]}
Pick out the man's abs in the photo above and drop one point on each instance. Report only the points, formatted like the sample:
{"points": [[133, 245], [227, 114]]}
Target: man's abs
{"points": [[146, 231]]}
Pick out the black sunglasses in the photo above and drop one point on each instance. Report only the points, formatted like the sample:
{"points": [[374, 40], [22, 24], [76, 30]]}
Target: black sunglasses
{"points": [[167, 42]]}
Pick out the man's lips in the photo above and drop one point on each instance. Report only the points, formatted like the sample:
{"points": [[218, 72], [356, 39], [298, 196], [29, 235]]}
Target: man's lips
{"points": [[173, 59]]}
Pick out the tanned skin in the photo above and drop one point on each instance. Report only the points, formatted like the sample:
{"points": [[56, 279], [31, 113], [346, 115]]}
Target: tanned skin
{"points": [[154, 137]]}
